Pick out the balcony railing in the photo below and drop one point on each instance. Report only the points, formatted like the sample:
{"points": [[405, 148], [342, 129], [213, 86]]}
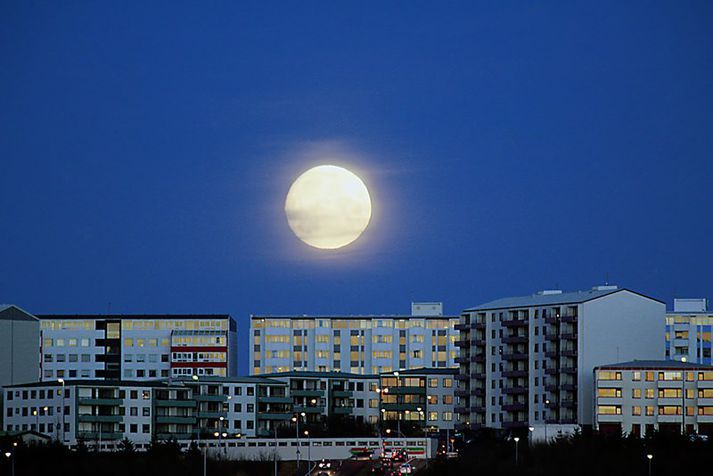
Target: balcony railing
{"points": [[515, 323]]}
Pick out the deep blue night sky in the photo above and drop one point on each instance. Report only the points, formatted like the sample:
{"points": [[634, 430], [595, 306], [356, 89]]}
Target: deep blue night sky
{"points": [[145, 152]]}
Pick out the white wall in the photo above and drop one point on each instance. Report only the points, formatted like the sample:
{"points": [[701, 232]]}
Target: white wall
{"points": [[615, 328]]}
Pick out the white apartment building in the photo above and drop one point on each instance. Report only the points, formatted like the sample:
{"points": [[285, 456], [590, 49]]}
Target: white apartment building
{"points": [[528, 361], [688, 331], [641, 396], [140, 347], [100, 413], [325, 397], [353, 344]]}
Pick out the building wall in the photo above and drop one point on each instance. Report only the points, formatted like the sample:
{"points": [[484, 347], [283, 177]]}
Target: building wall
{"points": [[658, 403], [363, 345], [19, 346], [618, 327]]}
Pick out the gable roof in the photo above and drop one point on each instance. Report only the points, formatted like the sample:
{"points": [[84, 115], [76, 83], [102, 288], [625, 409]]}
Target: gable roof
{"points": [[11, 312], [534, 300]]}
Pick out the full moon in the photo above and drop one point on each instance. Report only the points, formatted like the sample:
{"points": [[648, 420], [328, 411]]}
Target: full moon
{"points": [[328, 207]]}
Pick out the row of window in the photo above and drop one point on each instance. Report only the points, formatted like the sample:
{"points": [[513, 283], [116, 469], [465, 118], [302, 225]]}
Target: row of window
{"points": [[662, 393], [353, 323], [650, 376], [652, 410]]}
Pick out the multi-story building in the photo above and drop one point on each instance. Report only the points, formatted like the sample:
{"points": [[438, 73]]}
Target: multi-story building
{"points": [[103, 412], [328, 396], [140, 347], [528, 361], [424, 397], [641, 396], [19, 345], [353, 344], [688, 331]]}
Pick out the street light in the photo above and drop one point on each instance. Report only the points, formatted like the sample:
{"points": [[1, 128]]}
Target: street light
{"points": [[531, 430], [516, 440], [10, 455], [61, 380], [650, 457], [309, 452]]}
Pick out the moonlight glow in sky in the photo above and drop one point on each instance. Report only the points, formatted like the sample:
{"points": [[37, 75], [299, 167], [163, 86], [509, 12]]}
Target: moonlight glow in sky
{"points": [[328, 207]]}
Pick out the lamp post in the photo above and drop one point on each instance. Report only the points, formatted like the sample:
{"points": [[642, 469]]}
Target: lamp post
{"points": [[309, 452], [61, 381], [683, 398], [222, 433], [516, 440], [194, 377], [12, 461], [547, 404], [36, 414], [649, 457], [531, 430], [296, 419]]}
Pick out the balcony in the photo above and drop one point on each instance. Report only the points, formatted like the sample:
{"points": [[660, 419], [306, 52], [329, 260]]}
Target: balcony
{"points": [[552, 354], [477, 358], [175, 403], [271, 399], [407, 390], [552, 387], [515, 340], [479, 342], [569, 353], [210, 414], [515, 390], [282, 416], [306, 393], [478, 375], [551, 371], [477, 409], [173, 436], [478, 392], [461, 392], [100, 418], [308, 409], [462, 343], [515, 373], [552, 337], [552, 320], [569, 336], [342, 410], [210, 398], [515, 356], [462, 377], [460, 410], [178, 420], [478, 325], [569, 370], [100, 401], [88, 435], [462, 327], [515, 323], [552, 404], [462, 359], [515, 407], [569, 403], [569, 387], [569, 318]]}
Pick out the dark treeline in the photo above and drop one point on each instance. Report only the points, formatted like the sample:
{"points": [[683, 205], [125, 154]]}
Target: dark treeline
{"points": [[581, 454], [161, 458]]}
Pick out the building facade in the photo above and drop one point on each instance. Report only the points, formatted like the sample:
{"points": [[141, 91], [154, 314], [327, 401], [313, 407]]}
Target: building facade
{"points": [[103, 412], [421, 397], [137, 347], [639, 397], [688, 331], [528, 361], [353, 344], [325, 397], [19, 345]]}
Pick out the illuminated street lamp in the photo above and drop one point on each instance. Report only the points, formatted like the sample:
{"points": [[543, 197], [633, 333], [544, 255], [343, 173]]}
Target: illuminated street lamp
{"points": [[516, 440], [61, 381], [649, 457]]}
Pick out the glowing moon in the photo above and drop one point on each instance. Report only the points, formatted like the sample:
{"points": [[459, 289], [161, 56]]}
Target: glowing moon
{"points": [[328, 207]]}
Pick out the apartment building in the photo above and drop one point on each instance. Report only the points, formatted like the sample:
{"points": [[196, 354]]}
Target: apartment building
{"points": [[688, 331], [103, 412], [19, 345], [353, 344], [423, 397], [528, 361], [325, 397], [140, 347], [640, 396]]}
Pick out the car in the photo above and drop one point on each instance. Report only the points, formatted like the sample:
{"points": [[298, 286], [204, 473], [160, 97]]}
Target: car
{"points": [[324, 464], [452, 454], [405, 469], [400, 455], [388, 454], [377, 468]]}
